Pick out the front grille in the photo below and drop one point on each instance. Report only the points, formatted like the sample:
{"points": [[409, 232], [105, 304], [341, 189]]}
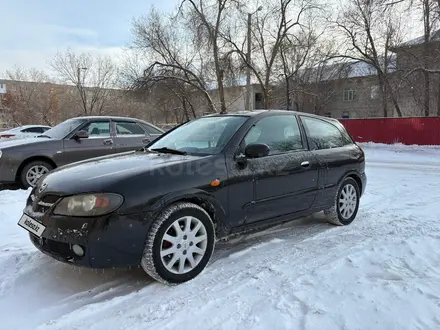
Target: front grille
{"points": [[44, 203]]}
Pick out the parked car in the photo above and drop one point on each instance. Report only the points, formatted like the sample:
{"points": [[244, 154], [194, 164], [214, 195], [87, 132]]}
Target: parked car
{"points": [[23, 132], [164, 207], [76, 139]]}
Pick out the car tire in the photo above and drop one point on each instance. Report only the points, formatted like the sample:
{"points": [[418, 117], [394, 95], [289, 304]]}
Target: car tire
{"points": [[346, 203], [166, 256], [38, 166]]}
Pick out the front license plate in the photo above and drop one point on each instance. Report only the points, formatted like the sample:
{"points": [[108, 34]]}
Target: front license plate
{"points": [[31, 225]]}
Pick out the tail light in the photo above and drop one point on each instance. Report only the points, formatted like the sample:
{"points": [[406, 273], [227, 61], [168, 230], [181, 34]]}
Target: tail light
{"points": [[6, 136]]}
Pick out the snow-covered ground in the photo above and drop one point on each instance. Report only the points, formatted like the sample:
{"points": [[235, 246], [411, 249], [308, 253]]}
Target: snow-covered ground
{"points": [[381, 272]]}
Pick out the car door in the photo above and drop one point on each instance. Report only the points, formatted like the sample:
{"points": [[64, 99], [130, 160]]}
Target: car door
{"points": [[285, 181], [129, 136], [332, 148], [99, 143]]}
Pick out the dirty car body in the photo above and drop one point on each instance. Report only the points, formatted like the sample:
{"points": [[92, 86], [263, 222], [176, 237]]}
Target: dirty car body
{"points": [[238, 188]]}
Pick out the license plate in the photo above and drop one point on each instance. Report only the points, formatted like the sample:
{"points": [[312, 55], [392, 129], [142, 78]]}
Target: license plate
{"points": [[31, 225]]}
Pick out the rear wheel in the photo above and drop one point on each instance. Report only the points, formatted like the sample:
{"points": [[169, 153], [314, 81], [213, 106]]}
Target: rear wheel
{"points": [[33, 171], [346, 203], [179, 244]]}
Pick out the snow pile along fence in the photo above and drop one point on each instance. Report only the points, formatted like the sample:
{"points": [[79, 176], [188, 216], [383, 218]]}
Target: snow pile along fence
{"points": [[413, 130]]}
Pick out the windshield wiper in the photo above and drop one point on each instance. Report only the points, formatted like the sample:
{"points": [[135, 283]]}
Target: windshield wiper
{"points": [[44, 135], [170, 151]]}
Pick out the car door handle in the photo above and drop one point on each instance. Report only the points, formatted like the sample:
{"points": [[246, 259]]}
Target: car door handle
{"points": [[146, 141], [108, 142], [305, 164]]}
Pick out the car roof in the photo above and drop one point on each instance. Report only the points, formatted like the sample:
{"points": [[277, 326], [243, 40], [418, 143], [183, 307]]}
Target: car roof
{"points": [[118, 118], [106, 117], [254, 113]]}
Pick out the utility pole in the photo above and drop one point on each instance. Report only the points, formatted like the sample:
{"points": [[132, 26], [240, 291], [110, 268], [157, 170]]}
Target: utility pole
{"points": [[248, 59], [79, 85]]}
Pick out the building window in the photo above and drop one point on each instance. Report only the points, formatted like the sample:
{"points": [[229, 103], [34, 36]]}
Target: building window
{"points": [[349, 94], [374, 93]]}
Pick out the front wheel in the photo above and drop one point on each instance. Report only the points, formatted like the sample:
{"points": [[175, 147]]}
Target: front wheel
{"points": [[179, 244], [346, 203], [33, 171]]}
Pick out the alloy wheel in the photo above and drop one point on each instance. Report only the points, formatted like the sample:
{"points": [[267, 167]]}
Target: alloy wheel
{"points": [[35, 173], [347, 201], [183, 245]]}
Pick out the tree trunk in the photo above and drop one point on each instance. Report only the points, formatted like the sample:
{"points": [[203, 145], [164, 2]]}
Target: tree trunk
{"points": [[383, 93], [427, 35], [393, 97], [426, 93], [287, 93], [185, 109], [266, 98], [219, 74], [438, 96]]}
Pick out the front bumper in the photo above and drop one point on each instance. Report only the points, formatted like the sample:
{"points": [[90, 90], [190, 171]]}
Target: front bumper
{"points": [[7, 171], [109, 241]]}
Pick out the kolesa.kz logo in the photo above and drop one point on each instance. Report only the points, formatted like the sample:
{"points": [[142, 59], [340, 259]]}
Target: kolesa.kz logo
{"points": [[31, 225]]}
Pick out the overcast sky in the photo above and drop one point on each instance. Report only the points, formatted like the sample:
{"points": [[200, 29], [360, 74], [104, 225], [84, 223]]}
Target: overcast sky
{"points": [[33, 30]]}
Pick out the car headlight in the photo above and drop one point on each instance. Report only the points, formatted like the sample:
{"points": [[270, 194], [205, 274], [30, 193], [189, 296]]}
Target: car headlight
{"points": [[88, 205]]}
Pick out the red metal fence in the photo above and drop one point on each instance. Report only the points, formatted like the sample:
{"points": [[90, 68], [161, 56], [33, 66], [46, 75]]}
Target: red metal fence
{"points": [[415, 130]]}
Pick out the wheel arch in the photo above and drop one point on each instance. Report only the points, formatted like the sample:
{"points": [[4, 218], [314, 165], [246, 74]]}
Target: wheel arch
{"points": [[32, 159], [356, 177], [198, 197]]}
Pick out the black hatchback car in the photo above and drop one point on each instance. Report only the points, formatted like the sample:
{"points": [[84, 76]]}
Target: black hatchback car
{"points": [[163, 207]]}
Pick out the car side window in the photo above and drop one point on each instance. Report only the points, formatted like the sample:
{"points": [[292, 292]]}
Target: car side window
{"points": [[151, 130], [281, 133], [322, 135], [33, 130], [127, 128], [97, 129]]}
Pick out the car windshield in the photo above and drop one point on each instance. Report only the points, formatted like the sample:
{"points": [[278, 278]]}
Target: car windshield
{"points": [[207, 136], [61, 130]]}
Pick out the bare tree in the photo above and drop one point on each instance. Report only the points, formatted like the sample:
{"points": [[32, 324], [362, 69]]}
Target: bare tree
{"points": [[296, 52], [269, 32], [207, 21], [93, 77], [370, 29], [170, 53], [32, 97]]}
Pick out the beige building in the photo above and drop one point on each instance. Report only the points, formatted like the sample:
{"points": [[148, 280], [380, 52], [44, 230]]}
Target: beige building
{"points": [[351, 90]]}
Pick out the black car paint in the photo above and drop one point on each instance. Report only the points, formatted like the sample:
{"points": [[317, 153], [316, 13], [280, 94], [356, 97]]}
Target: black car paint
{"points": [[67, 150], [249, 196]]}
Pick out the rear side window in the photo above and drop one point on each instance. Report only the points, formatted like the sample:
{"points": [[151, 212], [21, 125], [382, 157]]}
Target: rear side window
{"points": [[322, 135], [33, 130], [127, 128], [151, 130]]}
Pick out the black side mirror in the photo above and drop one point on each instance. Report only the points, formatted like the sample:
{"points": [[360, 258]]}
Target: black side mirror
{"points": [[81, 135], [256, 150]]}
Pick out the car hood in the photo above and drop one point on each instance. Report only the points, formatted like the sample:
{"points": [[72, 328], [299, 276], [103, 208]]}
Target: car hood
{"points": [[4, 144], [97, 174]]}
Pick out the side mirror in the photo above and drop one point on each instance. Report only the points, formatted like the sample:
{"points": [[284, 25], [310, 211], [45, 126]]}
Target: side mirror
{"points": [[256, 150], [81, 135]]}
